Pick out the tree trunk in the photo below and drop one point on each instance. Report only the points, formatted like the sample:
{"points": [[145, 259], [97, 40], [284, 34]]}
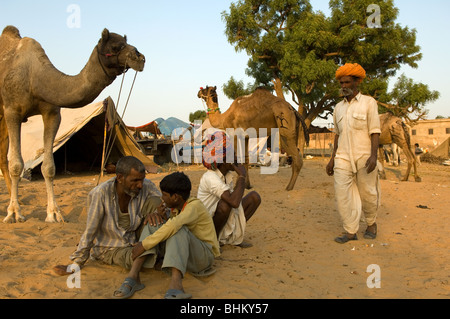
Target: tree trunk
{"points": [[278, 87]]}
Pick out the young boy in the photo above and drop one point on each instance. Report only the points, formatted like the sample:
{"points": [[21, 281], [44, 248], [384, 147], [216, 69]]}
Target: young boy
{"points": [[190, 238]]}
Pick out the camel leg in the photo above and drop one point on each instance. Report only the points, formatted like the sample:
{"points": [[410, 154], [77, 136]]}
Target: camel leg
{"points": [[246, 160], [395, 154], [15, 168], [417, 178], [51, 125], [248, 185], [411, 163], [290, 145], [382, 172], [247, 177], [4, 145], [401, 138]]}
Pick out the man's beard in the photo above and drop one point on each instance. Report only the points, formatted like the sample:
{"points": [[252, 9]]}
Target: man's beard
{"points": [[131, 193], [345, 92]]}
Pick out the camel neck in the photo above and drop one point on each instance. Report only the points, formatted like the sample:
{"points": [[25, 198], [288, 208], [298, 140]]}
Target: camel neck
{"points": [[213, 110], [214, 114], [75, 91]]}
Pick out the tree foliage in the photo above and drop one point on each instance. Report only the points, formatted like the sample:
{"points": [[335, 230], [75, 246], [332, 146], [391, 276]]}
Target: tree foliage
{"points": [[234, 89], [408, 99], [296, 50], [197, 115]]}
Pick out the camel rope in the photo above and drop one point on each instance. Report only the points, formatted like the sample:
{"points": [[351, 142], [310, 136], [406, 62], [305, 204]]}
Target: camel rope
{"points": [[111, 140]]}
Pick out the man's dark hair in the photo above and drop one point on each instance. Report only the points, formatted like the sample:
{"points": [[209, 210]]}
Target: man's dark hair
{"points": [[176, 183], [125, 164]]}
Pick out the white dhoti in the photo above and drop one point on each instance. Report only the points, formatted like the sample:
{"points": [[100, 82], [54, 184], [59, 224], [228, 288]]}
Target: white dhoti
{"points": [[355, 194], [234, 230]]}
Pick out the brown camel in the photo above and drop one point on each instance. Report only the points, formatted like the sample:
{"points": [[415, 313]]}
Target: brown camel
{"points": [[31, 85], [260, 110], [394, 130]]}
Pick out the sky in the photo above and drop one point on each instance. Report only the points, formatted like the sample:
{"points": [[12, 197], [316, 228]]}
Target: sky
{"points": [[186, 48]]}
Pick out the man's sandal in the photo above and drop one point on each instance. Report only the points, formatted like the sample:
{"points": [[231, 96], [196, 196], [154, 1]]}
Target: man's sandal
{"points": [[177, 294], [371, 235], [344, 239], [127, 289]]}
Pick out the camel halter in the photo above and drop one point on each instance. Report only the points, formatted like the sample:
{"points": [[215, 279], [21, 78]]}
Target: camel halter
{"points": [[109, 55], [209, 111]]}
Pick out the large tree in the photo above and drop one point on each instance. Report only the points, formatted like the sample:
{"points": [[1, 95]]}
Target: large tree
{"points": [[294, 49]]}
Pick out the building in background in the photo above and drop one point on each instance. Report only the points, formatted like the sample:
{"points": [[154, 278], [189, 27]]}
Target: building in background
{"points": [[429, 134]]}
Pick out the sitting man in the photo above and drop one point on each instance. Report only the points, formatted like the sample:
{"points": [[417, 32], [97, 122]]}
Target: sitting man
{"points": [[115, 215], [189, 236], [228, 206]]}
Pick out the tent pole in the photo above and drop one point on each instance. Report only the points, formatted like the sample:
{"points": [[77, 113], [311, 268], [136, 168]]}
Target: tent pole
{"points": [[176, 155], [103, 152]]}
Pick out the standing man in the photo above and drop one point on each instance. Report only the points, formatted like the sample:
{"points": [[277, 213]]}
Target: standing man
{"points": [[354, 159]]}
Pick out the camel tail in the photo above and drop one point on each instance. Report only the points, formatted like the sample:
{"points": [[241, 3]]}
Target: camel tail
{"points": [[303, 124], [407, 136], [11, 31]]}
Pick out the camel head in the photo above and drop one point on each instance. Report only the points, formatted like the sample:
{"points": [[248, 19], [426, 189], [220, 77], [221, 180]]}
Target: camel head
{"points": [[117, 56], [208, 93]]}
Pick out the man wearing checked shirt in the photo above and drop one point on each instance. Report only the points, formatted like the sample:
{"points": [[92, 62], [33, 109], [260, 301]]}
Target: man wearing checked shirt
{"points": [[115, 218]]}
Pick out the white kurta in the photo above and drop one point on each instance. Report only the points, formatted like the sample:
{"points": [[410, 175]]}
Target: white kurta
{"points": [[212, 185], [356, 191]]}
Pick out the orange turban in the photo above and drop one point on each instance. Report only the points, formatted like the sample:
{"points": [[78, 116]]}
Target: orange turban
{"points": [[351, 69]]}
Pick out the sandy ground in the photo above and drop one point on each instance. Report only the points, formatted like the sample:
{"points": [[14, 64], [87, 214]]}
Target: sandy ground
{"points": [[293, 254]]}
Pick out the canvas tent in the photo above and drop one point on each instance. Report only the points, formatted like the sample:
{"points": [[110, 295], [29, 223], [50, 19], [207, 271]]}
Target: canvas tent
{"points": [[151, 127], [87, 137], [172, 123], [442, 150]]}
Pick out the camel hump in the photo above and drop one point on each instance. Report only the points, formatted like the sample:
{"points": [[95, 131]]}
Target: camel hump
{"points": [[11, 31]]}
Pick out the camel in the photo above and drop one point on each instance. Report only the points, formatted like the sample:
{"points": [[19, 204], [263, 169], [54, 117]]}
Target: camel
{"points": [[31, 85], [394, 130], [260, 110]]}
